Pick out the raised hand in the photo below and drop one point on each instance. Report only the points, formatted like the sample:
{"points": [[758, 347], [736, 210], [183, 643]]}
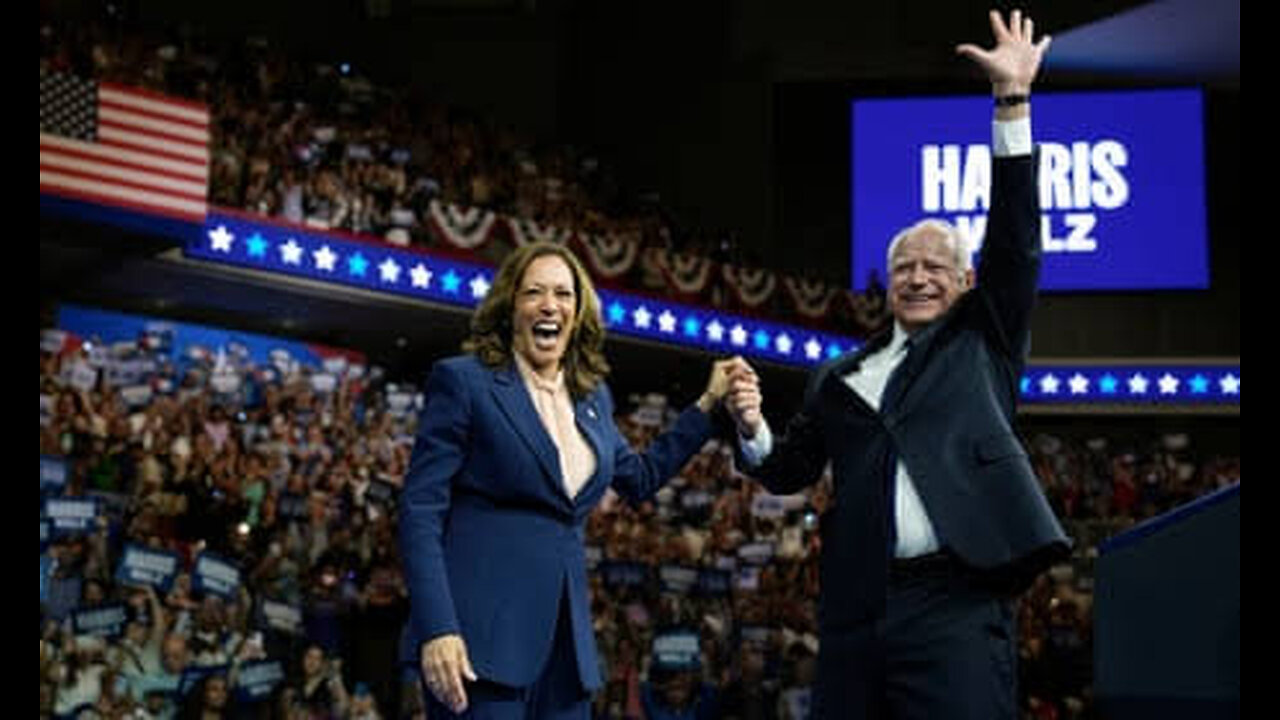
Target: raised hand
{"points": [[1012, 64]]}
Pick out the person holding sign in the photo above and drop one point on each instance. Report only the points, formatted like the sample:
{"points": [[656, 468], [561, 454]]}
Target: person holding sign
{"points": [[515, 447], [938, 520]]}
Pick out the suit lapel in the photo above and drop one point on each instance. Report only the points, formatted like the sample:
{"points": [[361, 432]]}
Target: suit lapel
{"points": [[513, 399], [845, 365], [917, 359], [587, 414]]}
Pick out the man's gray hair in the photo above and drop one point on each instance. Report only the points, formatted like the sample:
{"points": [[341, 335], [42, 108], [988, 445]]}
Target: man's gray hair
{"points": [[957, 243]]}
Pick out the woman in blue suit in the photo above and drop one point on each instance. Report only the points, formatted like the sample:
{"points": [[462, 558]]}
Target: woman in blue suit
{"points": [[515, 447]]}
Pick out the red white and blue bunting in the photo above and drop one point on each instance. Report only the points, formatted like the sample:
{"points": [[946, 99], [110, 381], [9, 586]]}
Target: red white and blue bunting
{"points": [[609, 256], [811, 299], [751, 287], [466, 228], [524, 232], [686, 274]]}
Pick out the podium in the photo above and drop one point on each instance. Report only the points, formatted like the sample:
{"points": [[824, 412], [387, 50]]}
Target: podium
{"points": [[1167, 615]]}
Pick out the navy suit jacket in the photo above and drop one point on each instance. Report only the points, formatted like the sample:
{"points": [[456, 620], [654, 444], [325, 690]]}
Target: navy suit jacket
{"points": [[492, 542], [949, 420]]}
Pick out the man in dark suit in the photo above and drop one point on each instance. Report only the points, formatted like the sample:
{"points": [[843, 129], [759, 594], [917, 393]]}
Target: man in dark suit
{"points": [[938, 520]]}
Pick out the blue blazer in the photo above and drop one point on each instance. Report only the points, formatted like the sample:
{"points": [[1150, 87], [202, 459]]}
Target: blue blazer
{"points": [[950, 421], [492, 542]]}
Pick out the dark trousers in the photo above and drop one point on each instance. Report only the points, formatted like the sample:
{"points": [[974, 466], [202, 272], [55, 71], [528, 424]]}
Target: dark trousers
{"points": [[556, 695], [944, 650]]}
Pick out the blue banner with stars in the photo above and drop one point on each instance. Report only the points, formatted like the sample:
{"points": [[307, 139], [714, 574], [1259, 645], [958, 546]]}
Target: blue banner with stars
{"points": [[236, 240]]}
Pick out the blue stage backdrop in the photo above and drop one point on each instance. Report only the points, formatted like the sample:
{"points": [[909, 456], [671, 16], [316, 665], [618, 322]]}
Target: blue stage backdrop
{"points": [[1122, 183]]}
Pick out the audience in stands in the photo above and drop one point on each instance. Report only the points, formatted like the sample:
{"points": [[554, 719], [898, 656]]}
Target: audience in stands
{"points": [[297, 489]]}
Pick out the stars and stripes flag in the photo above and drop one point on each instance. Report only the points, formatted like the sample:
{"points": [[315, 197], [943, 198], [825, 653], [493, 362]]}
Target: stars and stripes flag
{"points": [[122, 146]]}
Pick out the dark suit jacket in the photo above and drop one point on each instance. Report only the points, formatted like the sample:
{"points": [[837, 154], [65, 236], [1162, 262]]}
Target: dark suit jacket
{"points": [[949, 421], [491, 541]]}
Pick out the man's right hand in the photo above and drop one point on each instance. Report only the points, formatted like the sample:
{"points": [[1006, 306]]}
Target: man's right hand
{"points": [[444, 666]]}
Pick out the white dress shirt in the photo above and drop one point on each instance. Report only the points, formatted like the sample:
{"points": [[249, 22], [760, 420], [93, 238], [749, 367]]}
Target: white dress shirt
{"points": [[915, 533]]}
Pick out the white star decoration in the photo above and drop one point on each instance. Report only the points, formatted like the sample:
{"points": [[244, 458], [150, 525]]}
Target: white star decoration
{"points": [[221, 239], [1138, 385], [784, 344], [421, 276], [667, 322], [1168, 385], [326, 259], [1079, 384], [738, 335], [390, 271], [642, 317], [1049, 384], [1230, 384], [813, 349], [479, 287], [291, 253], [715, 331]]}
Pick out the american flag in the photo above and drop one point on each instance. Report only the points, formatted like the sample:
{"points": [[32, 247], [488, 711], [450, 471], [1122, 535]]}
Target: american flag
{"points": [[122, 146]]}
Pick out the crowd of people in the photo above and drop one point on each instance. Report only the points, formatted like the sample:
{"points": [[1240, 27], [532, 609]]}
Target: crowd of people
{"points": [[322, 146], [296, 487]]}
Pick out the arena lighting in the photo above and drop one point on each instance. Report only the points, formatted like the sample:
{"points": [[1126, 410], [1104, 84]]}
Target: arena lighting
{"points": [[317, 256]]}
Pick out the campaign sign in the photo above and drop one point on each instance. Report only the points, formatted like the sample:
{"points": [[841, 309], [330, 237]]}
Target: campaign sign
{"points": [[53, 474], [258, 680], [677, 650], [380, 493], [71, 516], [677, 579], [593, 555], [768, 507], [748, 578], [1121, 178], [280, 617], [624, 573], [145, 567], [46, 571], [107, 621], [715, 583], [217, 576], [194, 674], [758, 553], [293, 507], [756, 635]]}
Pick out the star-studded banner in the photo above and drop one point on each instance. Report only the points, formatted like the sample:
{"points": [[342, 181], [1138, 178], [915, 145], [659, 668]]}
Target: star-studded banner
{"points": [[235, 240]]}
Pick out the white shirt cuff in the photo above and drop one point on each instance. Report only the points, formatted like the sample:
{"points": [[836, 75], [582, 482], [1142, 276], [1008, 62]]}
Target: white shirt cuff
{"points": [[1011, 138], [755, 450]]}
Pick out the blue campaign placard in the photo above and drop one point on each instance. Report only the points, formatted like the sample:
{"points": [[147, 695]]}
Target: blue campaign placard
{"points": [[146, 567], [677, 650], [280, 617], [257, 680], [71, 516], [216, 575], [194, 674], [1122, 183], [53, 474], [624, 574], [46, 571], [107, 621]]}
